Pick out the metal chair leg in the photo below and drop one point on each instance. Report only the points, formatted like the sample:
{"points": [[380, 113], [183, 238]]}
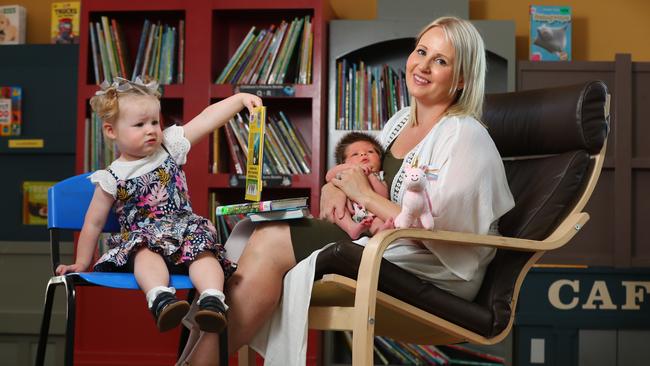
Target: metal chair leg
{"points": [[45, 322], [70, 322]]}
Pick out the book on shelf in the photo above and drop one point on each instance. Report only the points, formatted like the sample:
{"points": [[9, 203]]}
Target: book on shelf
{"points": [[158, 56], [64, 23], [13, 24], [288, 214], [367, 96], [286, 151], [10, 110], [550, 33], [458, 354], [262, 206], [35, 202], [278, 54]]}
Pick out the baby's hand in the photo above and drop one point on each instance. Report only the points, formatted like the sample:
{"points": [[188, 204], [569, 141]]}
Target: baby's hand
{"points": [[67, 268], [250, 101], [366, 169]]}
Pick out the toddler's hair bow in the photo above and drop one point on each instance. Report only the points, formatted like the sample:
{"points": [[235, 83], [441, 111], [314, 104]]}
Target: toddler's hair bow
{"points": [[121, 85]]}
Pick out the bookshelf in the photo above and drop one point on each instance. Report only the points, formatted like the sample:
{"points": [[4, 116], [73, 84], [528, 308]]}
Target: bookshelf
{"points": [[213, 31]]}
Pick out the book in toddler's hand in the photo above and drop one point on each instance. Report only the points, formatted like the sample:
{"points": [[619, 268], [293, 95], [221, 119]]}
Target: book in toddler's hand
{"points": [[263, 206], [255, 154], [287, 214]]}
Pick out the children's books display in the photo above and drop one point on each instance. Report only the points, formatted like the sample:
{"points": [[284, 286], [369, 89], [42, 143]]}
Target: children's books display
{"points": [[279, 54], [256, 154], [550, 33], [10, 110], [159, 54], [64, 26], [35, 202], [13, 24]]}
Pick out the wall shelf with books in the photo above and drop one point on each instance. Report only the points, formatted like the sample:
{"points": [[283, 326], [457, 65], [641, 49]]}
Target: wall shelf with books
{"points": [[212, 32]]}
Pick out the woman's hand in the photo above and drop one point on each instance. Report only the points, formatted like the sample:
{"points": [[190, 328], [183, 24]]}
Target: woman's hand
{"points": [[332, 203], [67, 268], [250, 101], [354, 183]]}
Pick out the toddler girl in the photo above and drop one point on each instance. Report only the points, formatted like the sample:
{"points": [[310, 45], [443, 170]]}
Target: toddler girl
{"points": [[146, 185]]}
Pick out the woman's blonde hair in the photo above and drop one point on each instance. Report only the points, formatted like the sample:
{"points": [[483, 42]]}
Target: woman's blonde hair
{"points": [[469, 64], [106, 101]]}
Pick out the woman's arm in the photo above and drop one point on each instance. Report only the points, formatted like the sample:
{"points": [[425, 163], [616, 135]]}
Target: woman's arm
{"points": [[217, 114], [332, 203], [94, 222], [355, 185]]}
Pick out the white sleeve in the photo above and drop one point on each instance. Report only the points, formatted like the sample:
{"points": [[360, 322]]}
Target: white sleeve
{"points": [[105, 180], [471, 190], [176, 143]]}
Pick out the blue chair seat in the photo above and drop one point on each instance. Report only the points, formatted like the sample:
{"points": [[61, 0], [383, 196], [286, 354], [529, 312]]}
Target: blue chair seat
{"points": [[127, 280]]}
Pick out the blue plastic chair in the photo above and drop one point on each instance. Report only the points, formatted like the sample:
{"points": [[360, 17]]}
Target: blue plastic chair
{"points": [[68, 202]]}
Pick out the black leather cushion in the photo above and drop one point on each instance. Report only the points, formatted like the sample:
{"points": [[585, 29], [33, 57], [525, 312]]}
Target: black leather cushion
{"points": [[543, 188], [344, 257], [548, 121]]}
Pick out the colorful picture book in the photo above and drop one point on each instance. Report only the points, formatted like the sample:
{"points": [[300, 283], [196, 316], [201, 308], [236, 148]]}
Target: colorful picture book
{"points": [[13, 24], [10, 110], [550, 33], [256, 132], [279, 54], [367, 96], [35, 202], [262, 206], [288, 214], [64, 26]]}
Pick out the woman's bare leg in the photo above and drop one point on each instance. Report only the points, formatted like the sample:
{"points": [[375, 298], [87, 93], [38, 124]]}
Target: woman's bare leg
{"points": [[254, 290]]}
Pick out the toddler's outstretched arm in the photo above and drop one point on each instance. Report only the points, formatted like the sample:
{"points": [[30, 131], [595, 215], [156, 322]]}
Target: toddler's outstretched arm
{"points": [[94, 222], [217, 114]]}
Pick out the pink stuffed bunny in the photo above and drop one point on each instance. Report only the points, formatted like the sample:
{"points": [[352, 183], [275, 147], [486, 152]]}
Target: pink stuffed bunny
{"points": [[416, 206]]}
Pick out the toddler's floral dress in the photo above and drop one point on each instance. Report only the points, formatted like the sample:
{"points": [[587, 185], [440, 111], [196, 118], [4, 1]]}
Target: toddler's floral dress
{"points": [[153, 208]]}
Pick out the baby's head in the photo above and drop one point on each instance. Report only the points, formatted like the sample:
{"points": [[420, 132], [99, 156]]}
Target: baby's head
{"points": [[359, 148], [130, 114]]}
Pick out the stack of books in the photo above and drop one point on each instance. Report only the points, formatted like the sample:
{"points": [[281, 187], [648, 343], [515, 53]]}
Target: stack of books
{"points": [[390, 352], [285, 150], [275, 55], [367, 96], [159, 55], [281, 209]]}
